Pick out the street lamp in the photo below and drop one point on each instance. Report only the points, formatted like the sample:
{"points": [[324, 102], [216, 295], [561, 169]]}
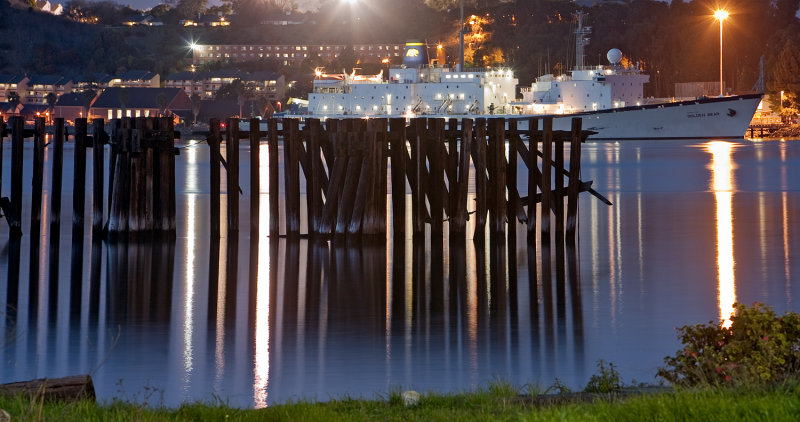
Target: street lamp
{"points": [[720, 15]]}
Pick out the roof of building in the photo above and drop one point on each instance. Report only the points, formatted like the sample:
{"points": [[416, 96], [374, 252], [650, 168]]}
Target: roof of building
{"points": [[224, 74], [11, 79], [48, 80], [74, 99], [137, 97], [136, 75]]}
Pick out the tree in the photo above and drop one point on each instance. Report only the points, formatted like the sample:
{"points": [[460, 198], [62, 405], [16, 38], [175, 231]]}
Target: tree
{"points": [[783, 60], [50, 99], [196, 104], [189, 9], [163, 102], [230, 91], [13, 101], [124, 97]]}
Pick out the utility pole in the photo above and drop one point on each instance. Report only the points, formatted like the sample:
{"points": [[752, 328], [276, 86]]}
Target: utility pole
{"points": [[461, 41]]}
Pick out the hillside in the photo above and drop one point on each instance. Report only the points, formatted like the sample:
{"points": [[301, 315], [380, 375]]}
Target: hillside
{"points": [[34, 42]]}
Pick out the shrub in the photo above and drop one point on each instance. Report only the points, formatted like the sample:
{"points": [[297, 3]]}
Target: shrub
{"points": [[606, 380], [758, 348]]}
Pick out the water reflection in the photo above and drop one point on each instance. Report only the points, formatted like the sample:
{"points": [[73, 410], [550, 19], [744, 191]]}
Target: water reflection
{"points": [[257, 320], [722, 185]]}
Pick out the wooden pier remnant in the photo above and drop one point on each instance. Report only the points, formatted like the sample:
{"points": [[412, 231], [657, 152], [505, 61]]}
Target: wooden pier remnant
{"points": [[59, 137], [347, 164], [143, 195]]}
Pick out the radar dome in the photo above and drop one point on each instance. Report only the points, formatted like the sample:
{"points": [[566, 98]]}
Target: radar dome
{"points": [[614, 56]]}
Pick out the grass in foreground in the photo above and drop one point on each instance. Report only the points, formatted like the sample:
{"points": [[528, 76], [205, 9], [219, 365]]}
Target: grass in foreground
{"points": [[775, 404]]}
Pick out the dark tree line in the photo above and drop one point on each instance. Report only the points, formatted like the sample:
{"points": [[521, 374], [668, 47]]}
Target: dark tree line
{"points": [[675, 41]]}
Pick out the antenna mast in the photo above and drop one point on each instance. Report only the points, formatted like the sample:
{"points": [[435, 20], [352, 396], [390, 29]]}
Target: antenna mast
{"points": [[581, 39]]}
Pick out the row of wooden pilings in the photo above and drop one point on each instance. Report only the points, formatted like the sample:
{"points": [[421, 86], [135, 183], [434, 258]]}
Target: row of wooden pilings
{"points": [[141, 174], [345, 166]]}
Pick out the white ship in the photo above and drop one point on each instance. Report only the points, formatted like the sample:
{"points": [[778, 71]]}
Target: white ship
{"points": [[609, 99]]}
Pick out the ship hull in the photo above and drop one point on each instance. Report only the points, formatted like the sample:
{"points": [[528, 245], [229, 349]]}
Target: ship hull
{"points": [[707, 118]]}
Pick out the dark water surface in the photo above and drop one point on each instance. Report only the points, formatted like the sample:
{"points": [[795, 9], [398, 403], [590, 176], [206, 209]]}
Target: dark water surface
{"points": [[254, 321]]}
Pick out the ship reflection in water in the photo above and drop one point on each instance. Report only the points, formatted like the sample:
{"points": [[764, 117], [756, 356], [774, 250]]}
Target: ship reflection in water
{"points": [[256, 321]]}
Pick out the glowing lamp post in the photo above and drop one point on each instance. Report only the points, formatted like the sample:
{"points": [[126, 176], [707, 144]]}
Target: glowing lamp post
{"points": [[720, 15]]}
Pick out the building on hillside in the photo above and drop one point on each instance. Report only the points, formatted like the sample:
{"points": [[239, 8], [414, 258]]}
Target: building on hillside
{"points": [[268, 84], [46, 6], [95, 81], [136, 79], [206, 84], [116, 102], [223, 109], [285, 19], [142, 20], [39, 86], [13, 83], [73, 105], [290, 54]]}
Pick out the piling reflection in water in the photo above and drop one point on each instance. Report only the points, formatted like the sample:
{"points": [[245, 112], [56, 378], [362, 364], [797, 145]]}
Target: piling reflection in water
{"points": [[256, 320]]}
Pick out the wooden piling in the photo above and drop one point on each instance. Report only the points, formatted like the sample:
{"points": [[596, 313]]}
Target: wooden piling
{"points": [[512, 210], [17, 138], [168, 151], [136, 175], [399, 156], [79, 184], [338, 170], [498, 179], [58, 166], [232, 158], [436, 160], [38, 174], [214, 139], [534, 176], [381, 183], [291, 170], [119, 211], [366, 144], [255, 164], [479, 158], [419, 171], [2, 138], [314, 182], [574, 179], [547, 156], [558, 198], [458, 220], [452, 165], [274, 181], [354, 133], [98, 139]]}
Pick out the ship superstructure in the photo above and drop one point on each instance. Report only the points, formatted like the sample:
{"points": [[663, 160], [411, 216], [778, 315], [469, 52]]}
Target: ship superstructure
{"points": [[415, 88]]}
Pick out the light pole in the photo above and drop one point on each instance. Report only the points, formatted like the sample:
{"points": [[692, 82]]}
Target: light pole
{"points": [[720, 15]]}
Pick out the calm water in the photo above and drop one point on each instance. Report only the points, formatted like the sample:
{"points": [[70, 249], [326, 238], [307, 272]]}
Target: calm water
{"points": [[695, 227]]}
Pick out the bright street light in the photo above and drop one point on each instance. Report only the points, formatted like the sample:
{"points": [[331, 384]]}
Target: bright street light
{"points": [[720, 15]]}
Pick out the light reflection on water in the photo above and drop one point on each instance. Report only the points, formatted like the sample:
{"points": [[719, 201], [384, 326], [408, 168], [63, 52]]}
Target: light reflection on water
{"points": [[257, 321], [723, 186]]}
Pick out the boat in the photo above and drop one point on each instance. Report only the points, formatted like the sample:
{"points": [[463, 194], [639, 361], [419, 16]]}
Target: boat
{"points": [[609, 99]]}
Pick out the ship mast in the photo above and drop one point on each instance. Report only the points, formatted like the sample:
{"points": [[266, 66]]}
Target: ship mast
{"points": [[581, 39]]}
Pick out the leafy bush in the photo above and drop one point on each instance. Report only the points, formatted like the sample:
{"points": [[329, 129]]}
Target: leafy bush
{"points": [[606, 379], [758, 348]]}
